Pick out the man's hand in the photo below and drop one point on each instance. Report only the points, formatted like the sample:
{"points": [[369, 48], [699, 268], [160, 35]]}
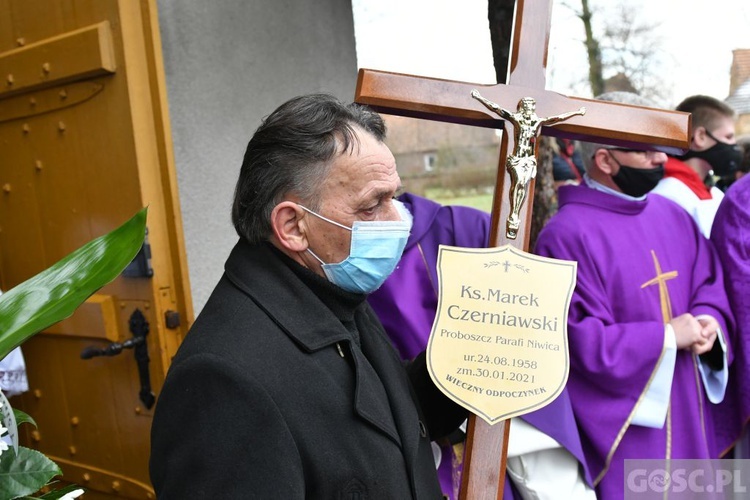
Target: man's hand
{"points": [[709, 331], [693, 334]]}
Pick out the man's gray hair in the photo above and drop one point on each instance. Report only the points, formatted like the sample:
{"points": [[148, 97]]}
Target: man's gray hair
{"points": [[589, 148]]}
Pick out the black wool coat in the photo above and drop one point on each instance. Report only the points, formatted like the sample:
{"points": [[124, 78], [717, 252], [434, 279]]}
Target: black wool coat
{"points": [[270, 396]]}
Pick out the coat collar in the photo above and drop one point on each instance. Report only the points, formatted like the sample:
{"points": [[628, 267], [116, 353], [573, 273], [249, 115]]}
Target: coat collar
{"points": [[685, 174], [261, 272]]}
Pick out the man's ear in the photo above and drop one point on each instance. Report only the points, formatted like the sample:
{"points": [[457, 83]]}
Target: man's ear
{"points": [[700, 140], [604, 161], [289, 227]]}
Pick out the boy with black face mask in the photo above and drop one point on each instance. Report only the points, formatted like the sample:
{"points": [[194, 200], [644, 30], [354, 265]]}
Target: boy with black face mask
{"points": [[694, 179]]}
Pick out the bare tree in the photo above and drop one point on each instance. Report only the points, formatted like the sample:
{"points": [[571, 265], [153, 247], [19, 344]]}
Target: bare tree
{"points": [[632, 48], [545, 195], [500, 15], [625, 53], [596, 77]]}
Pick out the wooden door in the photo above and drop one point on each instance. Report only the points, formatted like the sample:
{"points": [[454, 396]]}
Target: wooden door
{"points": [[84, 144]]}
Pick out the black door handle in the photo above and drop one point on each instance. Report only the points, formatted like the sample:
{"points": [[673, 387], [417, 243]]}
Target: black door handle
{"points": [[139, 327]]}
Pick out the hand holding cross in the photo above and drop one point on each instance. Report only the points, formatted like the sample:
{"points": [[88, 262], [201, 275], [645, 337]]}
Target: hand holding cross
{"points": [[521, 165]]}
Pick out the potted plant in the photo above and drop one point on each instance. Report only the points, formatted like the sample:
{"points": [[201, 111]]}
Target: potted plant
{"points": [[37, 303]]}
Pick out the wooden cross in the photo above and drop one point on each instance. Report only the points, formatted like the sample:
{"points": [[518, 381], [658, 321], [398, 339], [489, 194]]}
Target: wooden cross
{"points": [[450, 101]]}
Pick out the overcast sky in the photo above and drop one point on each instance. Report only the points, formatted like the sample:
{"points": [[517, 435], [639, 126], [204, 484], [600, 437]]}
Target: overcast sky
{"points": [[450, 39]]}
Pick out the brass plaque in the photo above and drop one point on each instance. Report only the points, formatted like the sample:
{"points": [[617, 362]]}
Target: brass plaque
{"points": [[499, 344]]}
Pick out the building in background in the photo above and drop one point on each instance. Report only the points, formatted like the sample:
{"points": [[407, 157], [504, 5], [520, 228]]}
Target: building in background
{"points": [[443, 157], [739, 89]]}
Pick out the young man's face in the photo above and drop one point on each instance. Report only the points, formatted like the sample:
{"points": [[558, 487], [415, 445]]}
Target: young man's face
{"points": [[712, 143], [723, 132]]}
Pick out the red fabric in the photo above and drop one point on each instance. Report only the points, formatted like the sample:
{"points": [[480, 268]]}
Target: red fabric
{"points": [[568, 157], [682, 172]]}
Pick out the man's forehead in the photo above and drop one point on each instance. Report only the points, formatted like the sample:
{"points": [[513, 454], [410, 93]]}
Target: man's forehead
{"points": [[363, 176], [725, 123], [632, 149], [623, 150]]}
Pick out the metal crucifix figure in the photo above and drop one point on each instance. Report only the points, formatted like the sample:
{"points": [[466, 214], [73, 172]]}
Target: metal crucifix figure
{"points": [[521, 165]]}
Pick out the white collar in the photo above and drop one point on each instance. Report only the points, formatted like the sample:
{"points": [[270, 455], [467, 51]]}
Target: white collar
{"points": [[604, 189]]}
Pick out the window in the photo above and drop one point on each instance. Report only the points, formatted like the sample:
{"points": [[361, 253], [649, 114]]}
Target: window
{"points": [[430, 160]]}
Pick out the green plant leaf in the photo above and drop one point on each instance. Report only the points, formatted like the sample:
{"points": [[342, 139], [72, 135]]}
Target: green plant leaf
{"points": [[25, 473], [23, 418], [8, 421], [55, 293]]}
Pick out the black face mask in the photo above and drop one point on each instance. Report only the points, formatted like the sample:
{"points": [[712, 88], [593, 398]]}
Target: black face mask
{"points": [[636, 182], [724, 158]]}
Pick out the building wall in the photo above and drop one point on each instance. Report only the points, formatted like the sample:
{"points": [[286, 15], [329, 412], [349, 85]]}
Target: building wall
{"points": [[743, 124], [462, 158], [739, 89], [228, 64], [740, 70]]}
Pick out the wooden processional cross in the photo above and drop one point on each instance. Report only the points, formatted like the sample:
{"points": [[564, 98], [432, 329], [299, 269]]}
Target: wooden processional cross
{"points": [[450, 101]]}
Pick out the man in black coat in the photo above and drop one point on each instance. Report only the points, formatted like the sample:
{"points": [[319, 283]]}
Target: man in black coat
{"points": [[287, 386]]}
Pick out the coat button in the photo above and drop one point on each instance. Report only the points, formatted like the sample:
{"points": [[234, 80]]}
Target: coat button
{"points": [[422, 429]]}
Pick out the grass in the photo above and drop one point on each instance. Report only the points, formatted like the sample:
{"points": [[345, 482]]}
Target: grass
{"points": [[479, 201]]}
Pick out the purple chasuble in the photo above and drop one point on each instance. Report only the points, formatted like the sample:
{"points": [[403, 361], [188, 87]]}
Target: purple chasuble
{"points": [[616, 325], [407, 303], [730, 234]]}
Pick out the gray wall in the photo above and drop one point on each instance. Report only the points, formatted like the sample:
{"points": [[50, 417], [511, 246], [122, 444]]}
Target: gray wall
{"points": [[228, 64]]}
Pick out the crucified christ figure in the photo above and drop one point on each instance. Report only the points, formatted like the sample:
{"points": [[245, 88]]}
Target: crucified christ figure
{"points": [[522, 163]]}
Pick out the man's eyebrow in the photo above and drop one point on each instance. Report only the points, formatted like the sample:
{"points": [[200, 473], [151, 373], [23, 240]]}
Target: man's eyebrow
{"points": [[388, 193], [379, 195]]}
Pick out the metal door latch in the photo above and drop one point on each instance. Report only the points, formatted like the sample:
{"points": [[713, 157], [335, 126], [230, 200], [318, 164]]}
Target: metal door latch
{"points": [[139, 327]]}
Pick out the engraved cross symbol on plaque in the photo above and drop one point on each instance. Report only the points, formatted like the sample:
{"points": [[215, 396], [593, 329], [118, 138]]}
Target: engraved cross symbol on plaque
{"points": [[506, 264], [451, 101]]}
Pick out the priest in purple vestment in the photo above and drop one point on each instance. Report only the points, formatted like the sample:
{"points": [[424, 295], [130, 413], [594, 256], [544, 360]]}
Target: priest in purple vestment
{"points": [[406, 305], [731, 237], [649, 319]]}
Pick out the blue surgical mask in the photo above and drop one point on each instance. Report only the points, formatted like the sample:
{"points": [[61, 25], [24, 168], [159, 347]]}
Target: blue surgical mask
{"points": [[375, 251]]}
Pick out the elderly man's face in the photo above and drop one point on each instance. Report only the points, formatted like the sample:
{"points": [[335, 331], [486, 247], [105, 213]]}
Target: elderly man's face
{"points": [[360, 187]]}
